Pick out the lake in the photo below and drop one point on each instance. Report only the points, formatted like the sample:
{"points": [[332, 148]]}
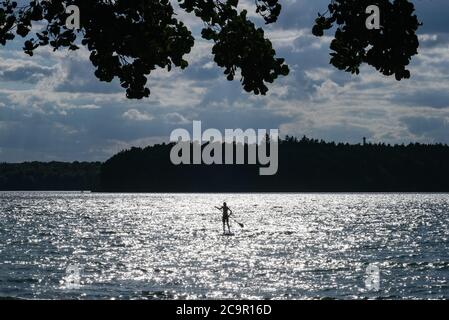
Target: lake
{"points": [[58, 245]]}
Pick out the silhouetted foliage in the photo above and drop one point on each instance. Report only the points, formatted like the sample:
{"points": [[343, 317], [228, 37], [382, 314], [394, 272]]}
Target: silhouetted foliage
{"points": [[388, 49], [304, 165], [127, 39], [53, 176]]}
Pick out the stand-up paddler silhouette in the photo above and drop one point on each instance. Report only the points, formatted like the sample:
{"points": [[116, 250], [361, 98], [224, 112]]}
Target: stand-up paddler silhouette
{"points": [[227, 212]]}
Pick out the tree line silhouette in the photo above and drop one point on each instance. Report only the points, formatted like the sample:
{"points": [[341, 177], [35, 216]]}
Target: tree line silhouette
{"points": [[54, 176], [305, 165]]}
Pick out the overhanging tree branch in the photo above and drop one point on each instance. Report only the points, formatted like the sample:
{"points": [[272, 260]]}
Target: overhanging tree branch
{"points": [[127, 40]]}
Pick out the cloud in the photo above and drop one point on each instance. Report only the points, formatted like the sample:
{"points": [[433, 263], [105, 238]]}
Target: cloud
{"points": [[52, 107], [433, 98], [136, 115], [428, 128], [23, 70], [175, 118], [79, 77]]}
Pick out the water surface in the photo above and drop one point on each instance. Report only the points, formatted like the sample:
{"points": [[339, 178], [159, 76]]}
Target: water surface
{"points": [[170, 246]]}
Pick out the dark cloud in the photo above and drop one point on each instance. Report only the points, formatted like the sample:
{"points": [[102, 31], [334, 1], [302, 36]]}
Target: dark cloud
{"points": [[434, 98], [203, 70], [431, 129], [301, 13], [81, 78], [433, 14], [23, 71]]}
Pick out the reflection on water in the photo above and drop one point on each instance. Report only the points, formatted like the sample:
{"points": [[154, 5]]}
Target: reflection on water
{"points": [[164, 246]]}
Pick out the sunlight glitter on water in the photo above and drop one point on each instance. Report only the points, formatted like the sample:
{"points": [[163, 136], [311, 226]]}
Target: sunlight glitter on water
{"points": [[164, 246]]}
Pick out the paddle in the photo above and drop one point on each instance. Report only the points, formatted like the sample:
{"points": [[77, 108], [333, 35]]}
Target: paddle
{"points": [[240, 224]]}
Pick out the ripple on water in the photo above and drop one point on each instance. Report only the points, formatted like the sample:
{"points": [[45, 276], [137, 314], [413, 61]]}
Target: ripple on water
{"points": [[167, 246]]}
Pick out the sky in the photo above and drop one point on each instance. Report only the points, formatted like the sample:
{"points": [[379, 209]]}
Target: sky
{"points": [[52, 107]]}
